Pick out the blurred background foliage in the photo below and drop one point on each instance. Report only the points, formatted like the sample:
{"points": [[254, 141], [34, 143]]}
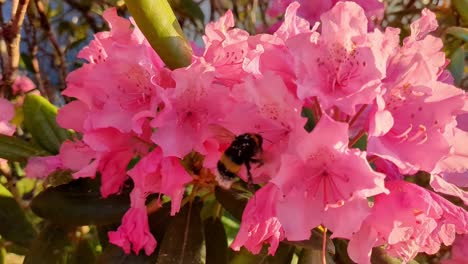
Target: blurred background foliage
{"points": [[52, 34]]}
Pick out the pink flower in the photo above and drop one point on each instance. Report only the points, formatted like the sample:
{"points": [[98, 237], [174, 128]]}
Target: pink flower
{"points": [[408, 220], [22, 84], [189, 109], [259, 222], [339, 68], [417, 106], [320, 177], [115, 86], [134, 232], [225, 48], [311, 10], [41, 167], [157, 174], [459, 252], [7, 112]]}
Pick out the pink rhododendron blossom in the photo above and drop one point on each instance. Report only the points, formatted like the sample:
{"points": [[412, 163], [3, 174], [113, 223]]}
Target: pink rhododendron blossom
{"points": [[408, 220], [115, 85], [378, 111], [7, 112], [157, 174], [189, 110], [134, 232], [317, 179], [22, 84], [421, 107], [41, 167], [339, 68], [459, 253], [260, 223], [311, 10]]}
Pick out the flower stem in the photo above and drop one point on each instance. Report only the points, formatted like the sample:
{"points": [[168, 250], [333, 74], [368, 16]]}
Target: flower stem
{"points": [[356, 138], [324, 246], [356, 116]]}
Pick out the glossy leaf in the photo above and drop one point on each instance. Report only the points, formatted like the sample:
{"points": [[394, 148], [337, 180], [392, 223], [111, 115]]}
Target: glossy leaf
{"points": [[52, 246], [459, 32], [39, 120], [313, 256], [183, 241], [233, 201], [188, 8], [14, 226], [79, 203], [158, 23], [15, 149], [462, 8], [457, 64], [284, 254], [216, 241], [113, 254], [83, 253]]}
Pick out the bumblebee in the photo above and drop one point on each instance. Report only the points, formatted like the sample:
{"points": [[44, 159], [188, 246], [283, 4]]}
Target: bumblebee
{"points": [[242, 151]]}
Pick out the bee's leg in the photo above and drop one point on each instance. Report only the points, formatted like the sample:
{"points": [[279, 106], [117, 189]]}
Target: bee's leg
{"points": [[250, 178]]}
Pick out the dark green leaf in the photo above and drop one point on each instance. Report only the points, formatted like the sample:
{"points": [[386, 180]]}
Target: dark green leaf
{"points": [[15, 149], [458, 32], [79, 203], [233, 201], [2, 255], [39, 120], [341, 254], [189, 8], [115, 255], [83, 253], [307, 112], [14, 226], [216, 241], [457, 64], [462, 8], [315, 242], [26, 62], [51, 247], [313, 256], [361, 143], [283, 254], [183, 241], [380, 256]]}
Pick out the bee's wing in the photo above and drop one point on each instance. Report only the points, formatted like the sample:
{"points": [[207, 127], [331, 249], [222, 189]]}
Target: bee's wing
{"points": [[222, 134]]}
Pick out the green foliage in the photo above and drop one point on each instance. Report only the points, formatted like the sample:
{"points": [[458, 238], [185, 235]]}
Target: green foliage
{"points": [[40, 120], [79, 203], [157, 21]]}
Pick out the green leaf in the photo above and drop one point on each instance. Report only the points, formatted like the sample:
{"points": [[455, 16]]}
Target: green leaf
{"points": [[361, 143], [457, 64], [83, 253], [314, 242], [79, 203], [216, 241], [183, 241], [14, 226], [39, 120], [308, 113], [51, 247], [158, 23], [313, 256], [115, 255], [233, 201], [189, 8], [284, 254], [459, 32], [462, 7], [15, 149], [2, 255]]}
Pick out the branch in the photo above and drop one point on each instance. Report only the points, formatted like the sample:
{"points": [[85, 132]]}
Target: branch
{"points": [[12, 37], [53, 40]]}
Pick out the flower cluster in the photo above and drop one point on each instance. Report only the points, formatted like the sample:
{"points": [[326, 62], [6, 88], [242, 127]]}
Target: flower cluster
{"points": [[359, 83]]}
